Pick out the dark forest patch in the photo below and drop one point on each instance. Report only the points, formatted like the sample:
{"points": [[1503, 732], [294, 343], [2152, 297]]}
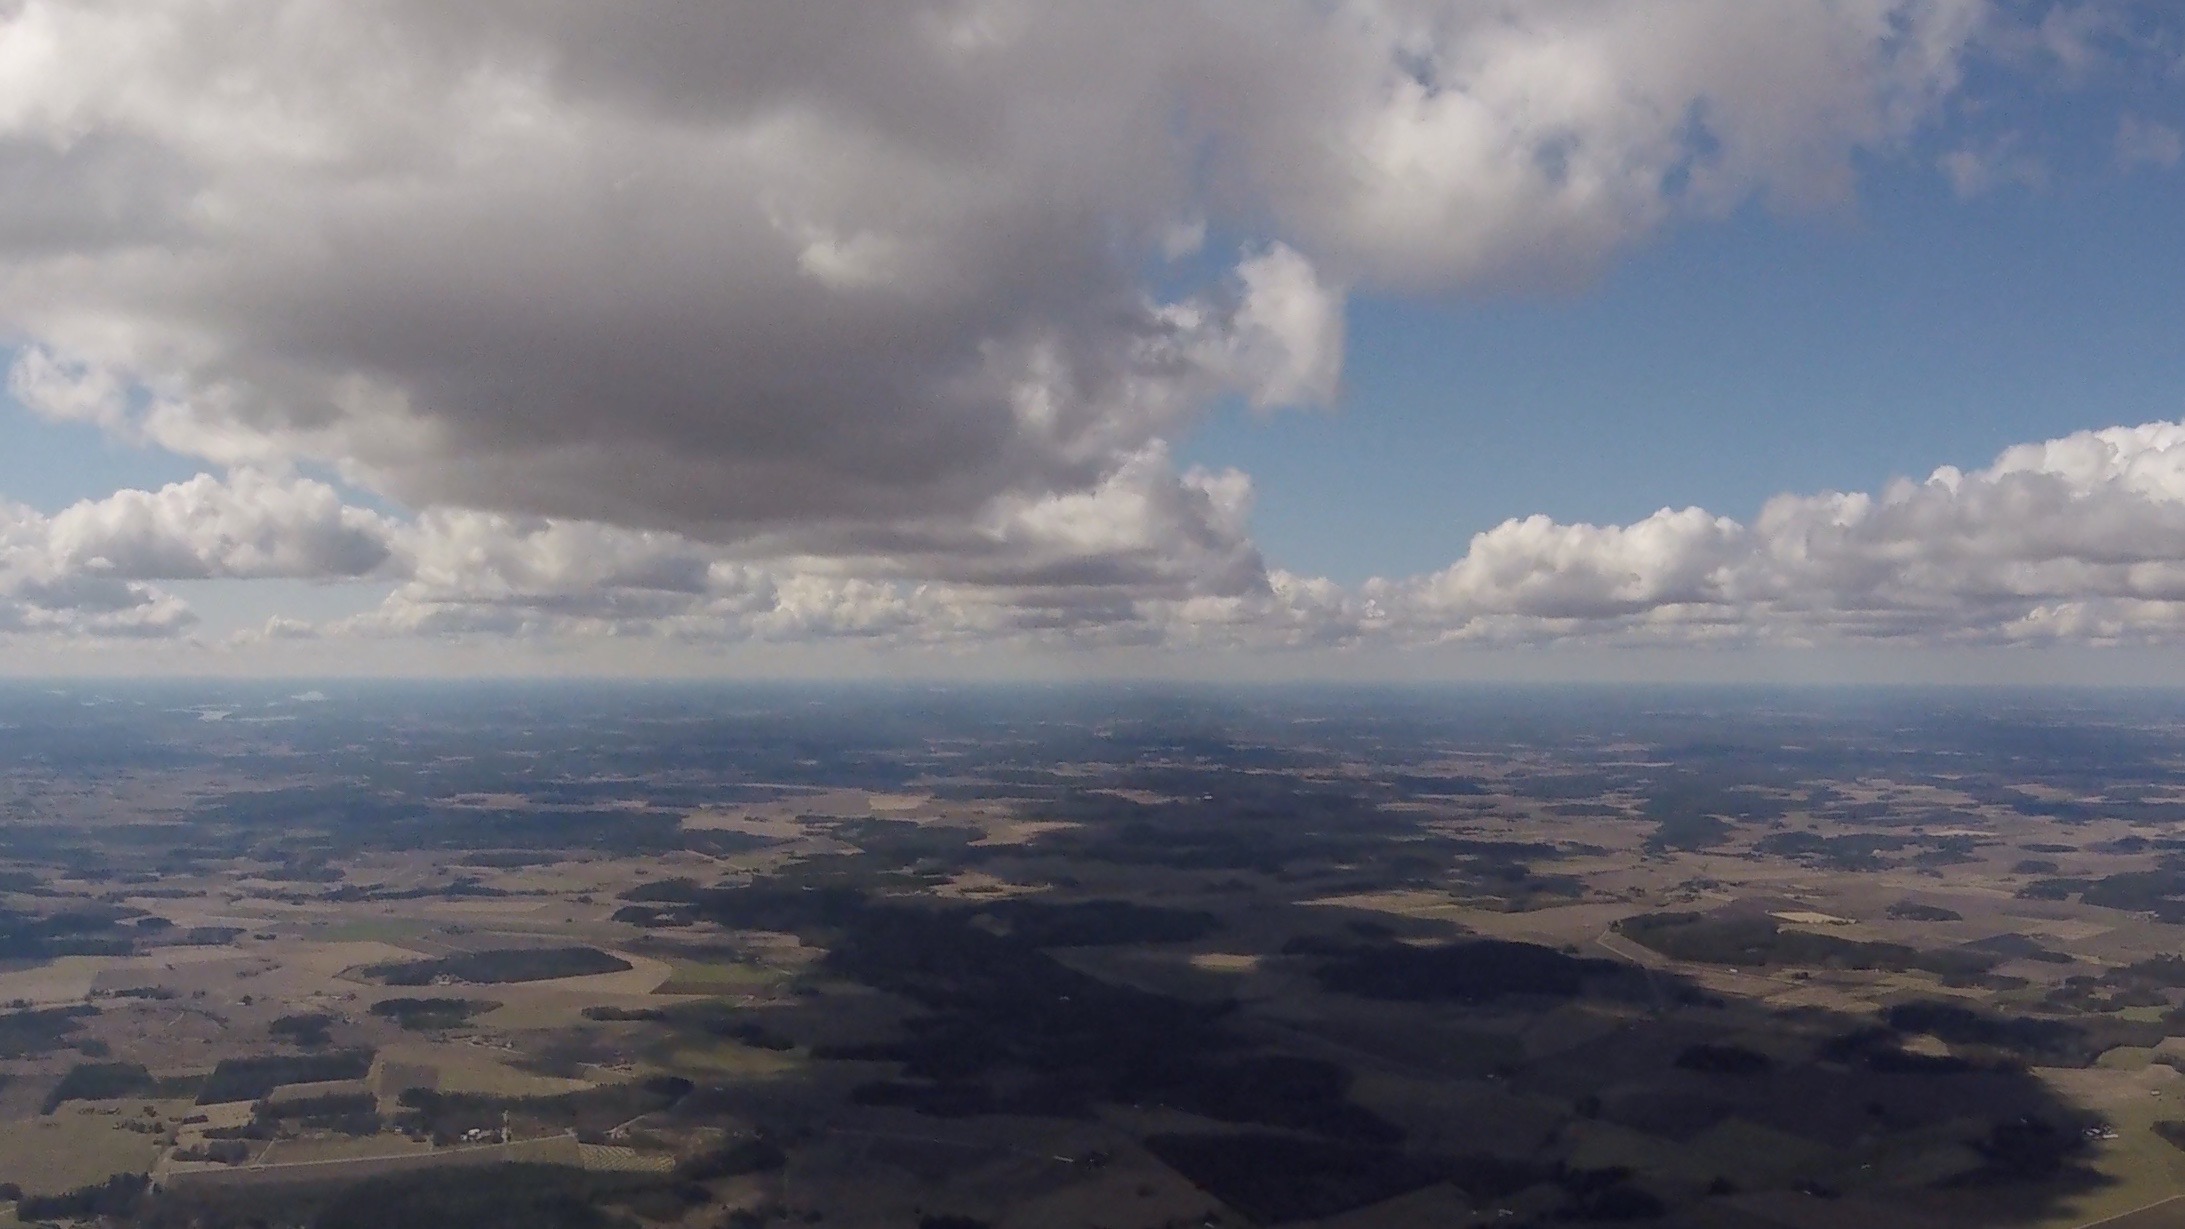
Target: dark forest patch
{"points": [[85, 930], [1093, 923], [2160, 891], [1760, 942], [1278, 1178], [1010, 1029], [41, 1031], [248, 1079], [101, 1082], [307, 1029], [428, 1014], [2065, 1043], [1472, 971], [1724, 1060], [1688, 830]]}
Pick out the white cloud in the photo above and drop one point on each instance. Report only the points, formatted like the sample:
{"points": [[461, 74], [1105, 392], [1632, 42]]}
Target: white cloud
{"points": [[1484, 141], [840, 320], [1976, 169], [2145, 142], [87, 568], [2079, 538], [247, 526], [1286, 341], [1057, 565]]}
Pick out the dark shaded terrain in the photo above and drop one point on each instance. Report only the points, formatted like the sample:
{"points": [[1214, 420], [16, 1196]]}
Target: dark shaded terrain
{"points": [[1202, 968]]}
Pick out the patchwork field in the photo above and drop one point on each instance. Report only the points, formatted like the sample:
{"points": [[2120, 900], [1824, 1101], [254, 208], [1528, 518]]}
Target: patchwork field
{"points": [[1353, 966]]}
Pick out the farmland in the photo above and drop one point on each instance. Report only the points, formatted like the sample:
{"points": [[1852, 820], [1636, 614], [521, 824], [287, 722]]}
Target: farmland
{"points": [[1101, 958]]}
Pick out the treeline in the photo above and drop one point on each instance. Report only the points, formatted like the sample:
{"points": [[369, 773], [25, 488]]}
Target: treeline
{"points": [[1472, 971], [248, 1079], [1761, 942], [89, 930], [120, 1195], [2160, 891], [347, 1113], [431, 1014], [1274, 1179], [105, 1081], [40, 1031], [2032, 1039]]}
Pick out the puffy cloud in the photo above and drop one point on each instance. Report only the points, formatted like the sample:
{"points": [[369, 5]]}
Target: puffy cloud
{"points": [[834, 275], [2080, 538], [248, 526], [1497, 140], [113, 611], [1285, 346], [84, 569], [1539, 568], [1997, 161], [1070, 563], [876, 321]]}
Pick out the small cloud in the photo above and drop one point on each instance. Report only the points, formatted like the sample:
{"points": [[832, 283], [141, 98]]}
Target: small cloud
{"points": [[278, 627], [309, 697], [1184, 239], [1973, 172], [2146, 142], [2075, 35]]}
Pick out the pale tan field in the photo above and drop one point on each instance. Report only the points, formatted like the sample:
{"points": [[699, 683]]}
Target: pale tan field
{"points": [[463, 1066], [979, 885], [1020, 831], [1402, 903], [66, 980], [79, 1144], [325, 1148]]}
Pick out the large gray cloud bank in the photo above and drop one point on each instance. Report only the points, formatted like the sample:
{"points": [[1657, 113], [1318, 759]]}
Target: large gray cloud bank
{"points": [[842, 318]]}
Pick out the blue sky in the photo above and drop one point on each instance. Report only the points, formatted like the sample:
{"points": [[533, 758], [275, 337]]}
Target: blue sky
{"points": [[49, 465], [1732, 360], [1295, 338]]}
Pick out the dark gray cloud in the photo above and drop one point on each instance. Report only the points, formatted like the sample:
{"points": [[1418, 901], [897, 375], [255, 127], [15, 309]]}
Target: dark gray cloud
{"points": [[841, 269]]}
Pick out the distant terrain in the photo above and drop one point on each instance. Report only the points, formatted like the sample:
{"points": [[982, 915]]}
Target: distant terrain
{"points": [[589, 955]]}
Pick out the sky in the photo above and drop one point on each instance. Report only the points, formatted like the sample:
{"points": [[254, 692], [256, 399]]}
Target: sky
{"points": [[1527, 339]]}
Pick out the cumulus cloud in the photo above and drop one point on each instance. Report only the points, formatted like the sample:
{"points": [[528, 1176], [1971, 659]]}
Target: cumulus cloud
{"points": [[1066, 564], [87, 568], [2079, 538], [249, 526], [877, 321], [834, 273]]}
